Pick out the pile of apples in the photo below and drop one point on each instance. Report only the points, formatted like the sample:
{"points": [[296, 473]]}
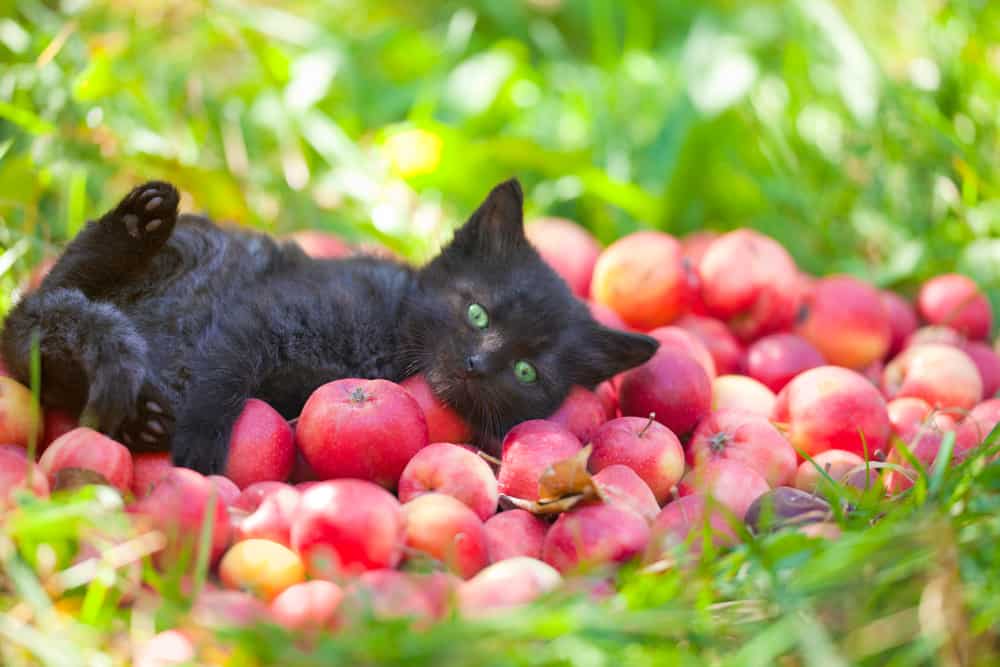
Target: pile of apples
{"points": [[767, 380]]}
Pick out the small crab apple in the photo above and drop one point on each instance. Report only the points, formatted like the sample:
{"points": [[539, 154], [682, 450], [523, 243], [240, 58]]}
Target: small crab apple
{"points": [[683, 521], [956, 301], [845, 320], [147, 470], [842, 467], [774, 360], [747, 438], [514, 533], [452, 470], [568, 248], [726, 350], [581, 413], [741, 392], [942, 375], [594, 535], [987, 363], [309, 605], [261, 447], [673, 386], [902, 321], [506, 585], [644, 445], [620, 485], [528, 449], [734, 485], [14, 474], [688, 343], [86, 448], [443, 423], [447, 530]]}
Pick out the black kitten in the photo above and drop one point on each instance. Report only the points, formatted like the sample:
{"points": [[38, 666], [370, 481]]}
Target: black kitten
{"points": [[160, 327]]}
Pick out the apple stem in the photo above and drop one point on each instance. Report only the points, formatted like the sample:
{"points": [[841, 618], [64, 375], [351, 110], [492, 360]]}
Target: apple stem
{"points": [[652, 416], [489, 459]]}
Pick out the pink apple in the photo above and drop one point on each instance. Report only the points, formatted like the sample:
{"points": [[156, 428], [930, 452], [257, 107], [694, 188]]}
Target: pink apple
{"points": [[148, 470], [683, 521], [774, 360], [604, 315], [348, 526], [364, 429], [740, 392], [86, 448], [387, 594], [261, 447], [506, 585], [673, 386], [514, 533], [647, 447], [225, 610], [841, 466], [846, 321], [170, 647], [942, 375], [749, 282], [443, 423], [447, 530], [745, 438], [726, 350], [273, 517], [594, 535], [454, 471], [902, 321], [732, 484], [956, 301], [607, 394], [528, 449], [934, 334], [251, 497], [308, 606], [987, 363], [320, 245], [833, 408], [14, 467], [695, 244], [568, 248], [18, 423], [582, 413], [619, 485], [688, 343], [227, 489]]}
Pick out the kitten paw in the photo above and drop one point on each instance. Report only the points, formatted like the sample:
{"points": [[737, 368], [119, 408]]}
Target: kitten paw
{"points": [[148, 213], [150, 426]]}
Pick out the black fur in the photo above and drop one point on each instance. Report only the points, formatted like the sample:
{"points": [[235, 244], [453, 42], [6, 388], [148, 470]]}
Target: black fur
{"points": [[160, 327]]}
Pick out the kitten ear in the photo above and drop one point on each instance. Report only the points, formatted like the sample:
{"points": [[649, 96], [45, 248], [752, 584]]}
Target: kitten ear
{"points": [[609, 352], [498, 223]]}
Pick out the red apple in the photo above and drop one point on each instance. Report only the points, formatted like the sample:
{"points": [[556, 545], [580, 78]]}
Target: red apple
{"points": [[733, 485], [942, 375], [444, 528], [642, 278], [740, 392], [506, 585], [56, 424], [594, 535], [608, 395], [347, 526], [695, 244], [454, 471], [750, 282], [745, 438], [18, 423], [684, 341], [387, 594], [443, 423], [924, 440], [251, 497], [683, 521], [147, 470], [364, 429], [647, 447], [846, 321], [14, 467], [833, 408], [86, 448], [170, 647], [902, 321], [582, 413], [273, 517], [321, 245], [261, 447], [604, 315], [934, 334], [673, 386], [956, 301], [725, 348], [528, 449], [308, 606], [620, 485], [987, 363], [568, 248], [514, 533], [841, 466], [228, 491], [774, 360]]}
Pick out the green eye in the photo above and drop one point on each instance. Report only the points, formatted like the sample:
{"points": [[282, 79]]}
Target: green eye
{"points": [[477, 316], [525, 372]]}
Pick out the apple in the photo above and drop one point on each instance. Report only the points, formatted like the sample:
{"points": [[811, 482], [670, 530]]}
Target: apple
{"points": [[671, 385], [956, 301], [387, 594], [846, 321], [833, 408], [443, 423], [987, 363], [594, 535], [86, 448], [251, 497], [746, 438], [725, 348], [581, 413], [177, 506], [14, 467], [18, 422], [226, 488], [902, 321], [843, 467], [642, 278], [604, 315], [684, 522], [740, 392], [170, 647], [514, 533], [272, 518], [226, 610], [695, 244], [749, 282], [447, 530], [321, 245], [362, 429], [307, 606], [348, 526], [924, 442], [568, 248], [688, 343], [732, 484], [56, 423], [607, 394], [261, 447], [646, 446], [528, 449], [147, 470], [452, 470], [620, 485], [263, 567], [942, 375], [505, 586], [774, 360], [934, 334]]}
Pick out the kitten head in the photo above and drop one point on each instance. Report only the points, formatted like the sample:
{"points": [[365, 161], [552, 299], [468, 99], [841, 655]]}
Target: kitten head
{"points": [[498, 334]]}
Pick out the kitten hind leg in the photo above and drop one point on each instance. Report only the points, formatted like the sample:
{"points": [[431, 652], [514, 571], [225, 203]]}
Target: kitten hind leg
{"points": [[121, 241], [92, 358]]}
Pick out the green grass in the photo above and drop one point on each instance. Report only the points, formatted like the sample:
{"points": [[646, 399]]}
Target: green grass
{"points": [[862, 135]]}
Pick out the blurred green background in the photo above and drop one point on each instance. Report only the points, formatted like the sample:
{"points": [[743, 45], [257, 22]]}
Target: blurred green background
{"points": [[861, 134]]}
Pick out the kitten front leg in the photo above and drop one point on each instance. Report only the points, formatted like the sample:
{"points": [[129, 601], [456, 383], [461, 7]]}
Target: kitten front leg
{"points": [[123, 240]]}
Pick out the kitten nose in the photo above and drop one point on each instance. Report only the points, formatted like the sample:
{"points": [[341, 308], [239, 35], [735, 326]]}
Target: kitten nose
{"points": [[475, 364]]}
